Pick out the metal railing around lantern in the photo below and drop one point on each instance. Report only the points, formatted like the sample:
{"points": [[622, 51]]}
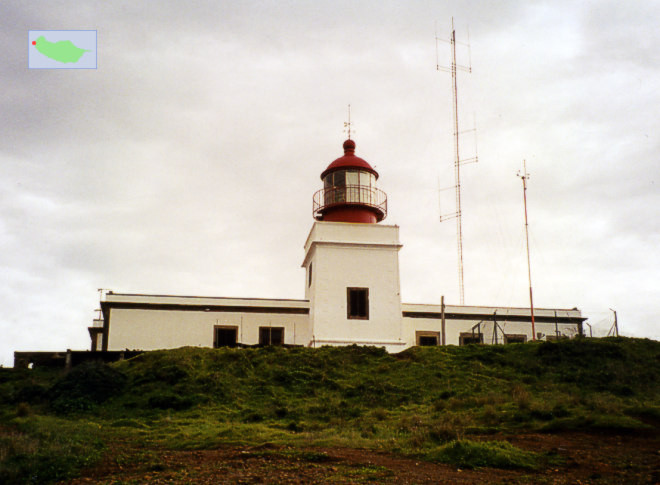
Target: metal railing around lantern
{"points": [[350, 194]]}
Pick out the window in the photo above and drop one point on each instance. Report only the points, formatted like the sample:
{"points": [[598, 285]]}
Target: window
{"points": [[339, 184], [225, 336], [357, 304], [352, 189], [271, 335], [339, 178], [515, 338], [365, 179], [467, 338], [427, 338], [365, 187], [309, 275]]}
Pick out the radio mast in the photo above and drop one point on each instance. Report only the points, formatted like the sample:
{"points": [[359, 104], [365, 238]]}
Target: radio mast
{"points": [[525, 176], [457, 158]]}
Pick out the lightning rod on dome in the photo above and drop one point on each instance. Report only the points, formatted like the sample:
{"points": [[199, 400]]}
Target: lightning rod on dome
{"points": [[347, 124]]}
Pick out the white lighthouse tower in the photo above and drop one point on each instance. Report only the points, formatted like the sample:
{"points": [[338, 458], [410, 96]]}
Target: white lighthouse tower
{"points": [[352, 261]]}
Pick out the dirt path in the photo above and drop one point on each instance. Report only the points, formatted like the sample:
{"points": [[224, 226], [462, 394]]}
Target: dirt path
{"points": [[589, 459]]}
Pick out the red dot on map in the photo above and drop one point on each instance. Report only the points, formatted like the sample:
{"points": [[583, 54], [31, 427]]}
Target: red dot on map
{"points": [[34, 42]]}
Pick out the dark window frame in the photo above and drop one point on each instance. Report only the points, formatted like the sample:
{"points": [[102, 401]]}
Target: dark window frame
{"points": [[355, 309], [339, 178], [426, 334], [469, 336], [269, 339], [216, 345], [515, 338], [309, 275]]}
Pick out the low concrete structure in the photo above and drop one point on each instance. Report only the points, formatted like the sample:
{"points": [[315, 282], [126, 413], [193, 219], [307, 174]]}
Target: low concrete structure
{"points": [[68, 359]]}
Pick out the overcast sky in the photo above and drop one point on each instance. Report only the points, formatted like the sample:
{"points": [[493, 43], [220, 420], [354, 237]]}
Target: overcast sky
{"points": [[186, 163]]}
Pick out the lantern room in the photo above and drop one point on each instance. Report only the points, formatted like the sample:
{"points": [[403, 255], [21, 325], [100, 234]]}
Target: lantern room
{"points": [[349, 192]]}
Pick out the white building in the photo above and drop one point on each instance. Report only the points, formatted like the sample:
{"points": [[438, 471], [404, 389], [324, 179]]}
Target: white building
{"points": [[352, 293]]}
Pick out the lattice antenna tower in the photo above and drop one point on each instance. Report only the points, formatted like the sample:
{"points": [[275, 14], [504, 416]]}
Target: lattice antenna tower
{"points": [[457, 214]]}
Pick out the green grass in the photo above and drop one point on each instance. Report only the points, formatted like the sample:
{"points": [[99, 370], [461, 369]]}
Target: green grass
{"points": [[609, 423], [429, 402], [474, 454], [44, 449]]}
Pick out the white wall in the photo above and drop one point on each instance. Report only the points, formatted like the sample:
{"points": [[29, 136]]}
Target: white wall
{"points": [[347, 255], [146, 329]]}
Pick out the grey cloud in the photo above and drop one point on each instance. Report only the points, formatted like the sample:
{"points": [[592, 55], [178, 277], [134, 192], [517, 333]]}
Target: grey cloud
{"points": [[186, 163]]}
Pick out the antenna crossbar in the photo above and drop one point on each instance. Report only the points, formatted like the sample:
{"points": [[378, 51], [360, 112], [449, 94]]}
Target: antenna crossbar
{"points": [[460, 68], [448, 217]]}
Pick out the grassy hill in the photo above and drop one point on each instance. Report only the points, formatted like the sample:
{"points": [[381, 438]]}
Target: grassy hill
{"points": [[451, 404]]}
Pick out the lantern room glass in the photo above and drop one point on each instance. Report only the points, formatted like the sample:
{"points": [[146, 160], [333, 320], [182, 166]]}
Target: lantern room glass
{"points": [[349, 186]]}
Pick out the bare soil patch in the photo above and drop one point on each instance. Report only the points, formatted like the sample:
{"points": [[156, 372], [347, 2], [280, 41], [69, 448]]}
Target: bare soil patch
{"points": [[587, 459]]}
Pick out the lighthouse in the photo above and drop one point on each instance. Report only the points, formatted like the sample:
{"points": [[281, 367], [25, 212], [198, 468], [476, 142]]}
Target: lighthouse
{"points": [[352, 293], [351, 260], [349, 192]]}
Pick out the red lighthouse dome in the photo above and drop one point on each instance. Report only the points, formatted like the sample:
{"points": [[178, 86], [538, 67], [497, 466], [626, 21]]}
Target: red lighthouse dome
{"points": [[349, 192]]}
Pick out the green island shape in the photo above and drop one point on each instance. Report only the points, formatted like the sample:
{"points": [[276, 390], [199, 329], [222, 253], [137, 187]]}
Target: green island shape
{"points": [[62, 51]]}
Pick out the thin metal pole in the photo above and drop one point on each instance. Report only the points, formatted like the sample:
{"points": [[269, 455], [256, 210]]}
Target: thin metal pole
{"points": [[524, 178], [616, 323], [442, 316]]}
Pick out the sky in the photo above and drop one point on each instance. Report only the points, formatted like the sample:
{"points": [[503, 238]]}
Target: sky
{"points": [[186, 163]]}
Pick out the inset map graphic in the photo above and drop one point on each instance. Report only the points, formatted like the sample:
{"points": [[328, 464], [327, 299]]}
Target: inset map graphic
{"points": [[62, 49]]}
